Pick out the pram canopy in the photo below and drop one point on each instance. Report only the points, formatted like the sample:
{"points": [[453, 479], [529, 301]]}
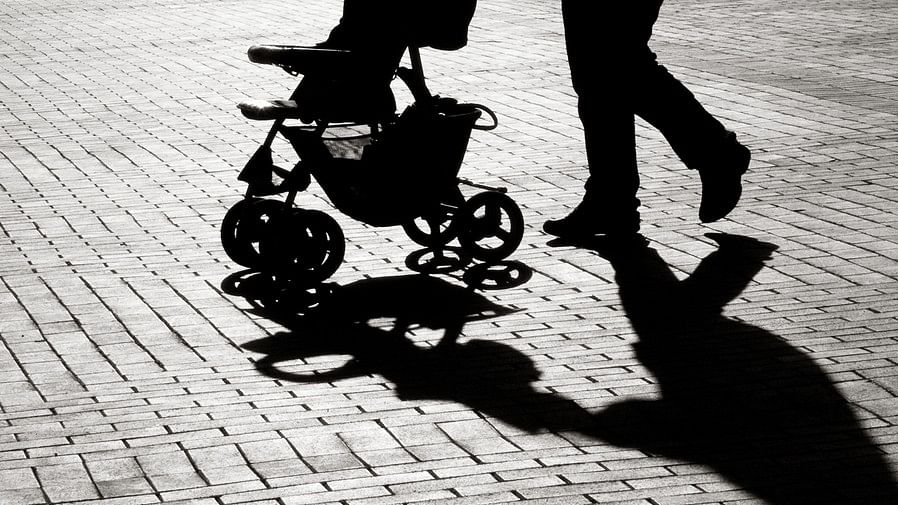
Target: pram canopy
{"points": [[348, 76], [441, 24]]}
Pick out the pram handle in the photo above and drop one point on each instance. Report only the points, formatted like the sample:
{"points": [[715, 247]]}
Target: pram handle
{"points": [[304, 60], [414, 80], [489, 112]]}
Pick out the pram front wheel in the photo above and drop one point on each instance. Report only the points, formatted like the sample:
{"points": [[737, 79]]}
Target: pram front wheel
{"points": [[242, 229], [305, 246], [492, 226]]}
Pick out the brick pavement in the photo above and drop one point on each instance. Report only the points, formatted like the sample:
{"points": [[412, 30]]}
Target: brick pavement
{"points": [[129, 377]]}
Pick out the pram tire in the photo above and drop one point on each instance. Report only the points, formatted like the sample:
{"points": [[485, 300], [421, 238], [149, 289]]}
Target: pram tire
{"points": [[241, 229], [303, 246], [487, 218]]}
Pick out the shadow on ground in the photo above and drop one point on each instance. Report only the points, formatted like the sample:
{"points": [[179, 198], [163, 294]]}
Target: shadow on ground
{"points": [[733, 397]]}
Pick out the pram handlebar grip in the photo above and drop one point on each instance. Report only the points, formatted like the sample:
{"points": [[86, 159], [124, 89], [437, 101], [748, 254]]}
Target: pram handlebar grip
{"points": [[266, 110], [305, 60]]}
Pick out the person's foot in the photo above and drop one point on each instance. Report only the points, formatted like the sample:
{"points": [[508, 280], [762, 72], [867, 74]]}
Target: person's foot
{"points": [[588, 220], [721, 184]]}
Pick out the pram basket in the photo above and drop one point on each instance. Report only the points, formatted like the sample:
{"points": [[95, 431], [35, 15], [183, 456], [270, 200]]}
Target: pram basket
{"points": [[393, 176]]}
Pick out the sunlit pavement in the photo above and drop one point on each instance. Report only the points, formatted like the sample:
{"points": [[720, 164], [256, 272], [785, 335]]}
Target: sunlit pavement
{"points": [[133, 374]]}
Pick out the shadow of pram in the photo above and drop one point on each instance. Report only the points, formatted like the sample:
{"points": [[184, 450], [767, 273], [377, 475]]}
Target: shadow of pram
{"points": [[277, 297], [375, 322], [386, 309]]}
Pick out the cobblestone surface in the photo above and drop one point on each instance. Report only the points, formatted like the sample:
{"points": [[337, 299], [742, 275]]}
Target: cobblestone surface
{"points": [[128, 376]]}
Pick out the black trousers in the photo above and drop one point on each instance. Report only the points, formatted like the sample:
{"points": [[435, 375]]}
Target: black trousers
{"points": [[617, 76]]}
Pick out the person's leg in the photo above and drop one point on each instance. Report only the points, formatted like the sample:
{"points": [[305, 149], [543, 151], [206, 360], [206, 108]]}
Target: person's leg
{"points": [[610, 137], [601, 41], [699, 139], [666, 104]]}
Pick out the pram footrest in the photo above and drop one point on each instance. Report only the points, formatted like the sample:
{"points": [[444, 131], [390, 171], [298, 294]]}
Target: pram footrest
{"points": [[266, 110], [304, 60]]}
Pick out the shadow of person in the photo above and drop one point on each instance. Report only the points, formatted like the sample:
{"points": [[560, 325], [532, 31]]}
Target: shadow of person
{"points": [[733, 396], [491, 377]]}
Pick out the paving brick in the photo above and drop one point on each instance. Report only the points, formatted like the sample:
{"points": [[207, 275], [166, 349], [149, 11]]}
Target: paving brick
{"points": [[19, 478], [129, 487], [66, 482], [30, 496]]}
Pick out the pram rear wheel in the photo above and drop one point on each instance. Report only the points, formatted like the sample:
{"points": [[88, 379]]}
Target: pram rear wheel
{"points": [[242, 228], [492, 226], [305, 246], [438, 226]]}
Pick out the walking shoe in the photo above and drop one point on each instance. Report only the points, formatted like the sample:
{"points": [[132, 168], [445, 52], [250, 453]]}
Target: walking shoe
{"points": [[587, 220], [721, 184]]}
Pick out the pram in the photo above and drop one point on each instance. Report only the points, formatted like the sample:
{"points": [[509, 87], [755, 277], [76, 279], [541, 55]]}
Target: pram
{"points": [[374, 165]]}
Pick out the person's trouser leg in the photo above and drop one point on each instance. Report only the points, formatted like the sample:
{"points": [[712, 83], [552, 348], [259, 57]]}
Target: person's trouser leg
{"points": [[699, 139], [609, 134], [666, 104], [606, 44], [616, 75]]}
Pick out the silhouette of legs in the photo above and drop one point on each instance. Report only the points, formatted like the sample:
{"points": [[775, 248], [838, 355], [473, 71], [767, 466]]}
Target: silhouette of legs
{"points": [[616, 76], [734, 396]]}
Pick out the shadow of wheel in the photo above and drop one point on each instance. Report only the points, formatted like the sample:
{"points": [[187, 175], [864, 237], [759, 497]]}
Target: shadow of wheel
{"points": [[500, 275]]}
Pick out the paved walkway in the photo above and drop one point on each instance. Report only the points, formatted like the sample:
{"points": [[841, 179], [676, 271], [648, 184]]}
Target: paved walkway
{"points": [[763, 369]]}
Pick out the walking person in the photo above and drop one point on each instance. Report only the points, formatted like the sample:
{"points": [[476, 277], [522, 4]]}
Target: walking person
{"points": [[616, 76]]}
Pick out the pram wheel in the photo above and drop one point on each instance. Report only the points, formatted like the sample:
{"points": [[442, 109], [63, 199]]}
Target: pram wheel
{"points": [[492, 226], [242, 228], [305, 246], [438, 226]]}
